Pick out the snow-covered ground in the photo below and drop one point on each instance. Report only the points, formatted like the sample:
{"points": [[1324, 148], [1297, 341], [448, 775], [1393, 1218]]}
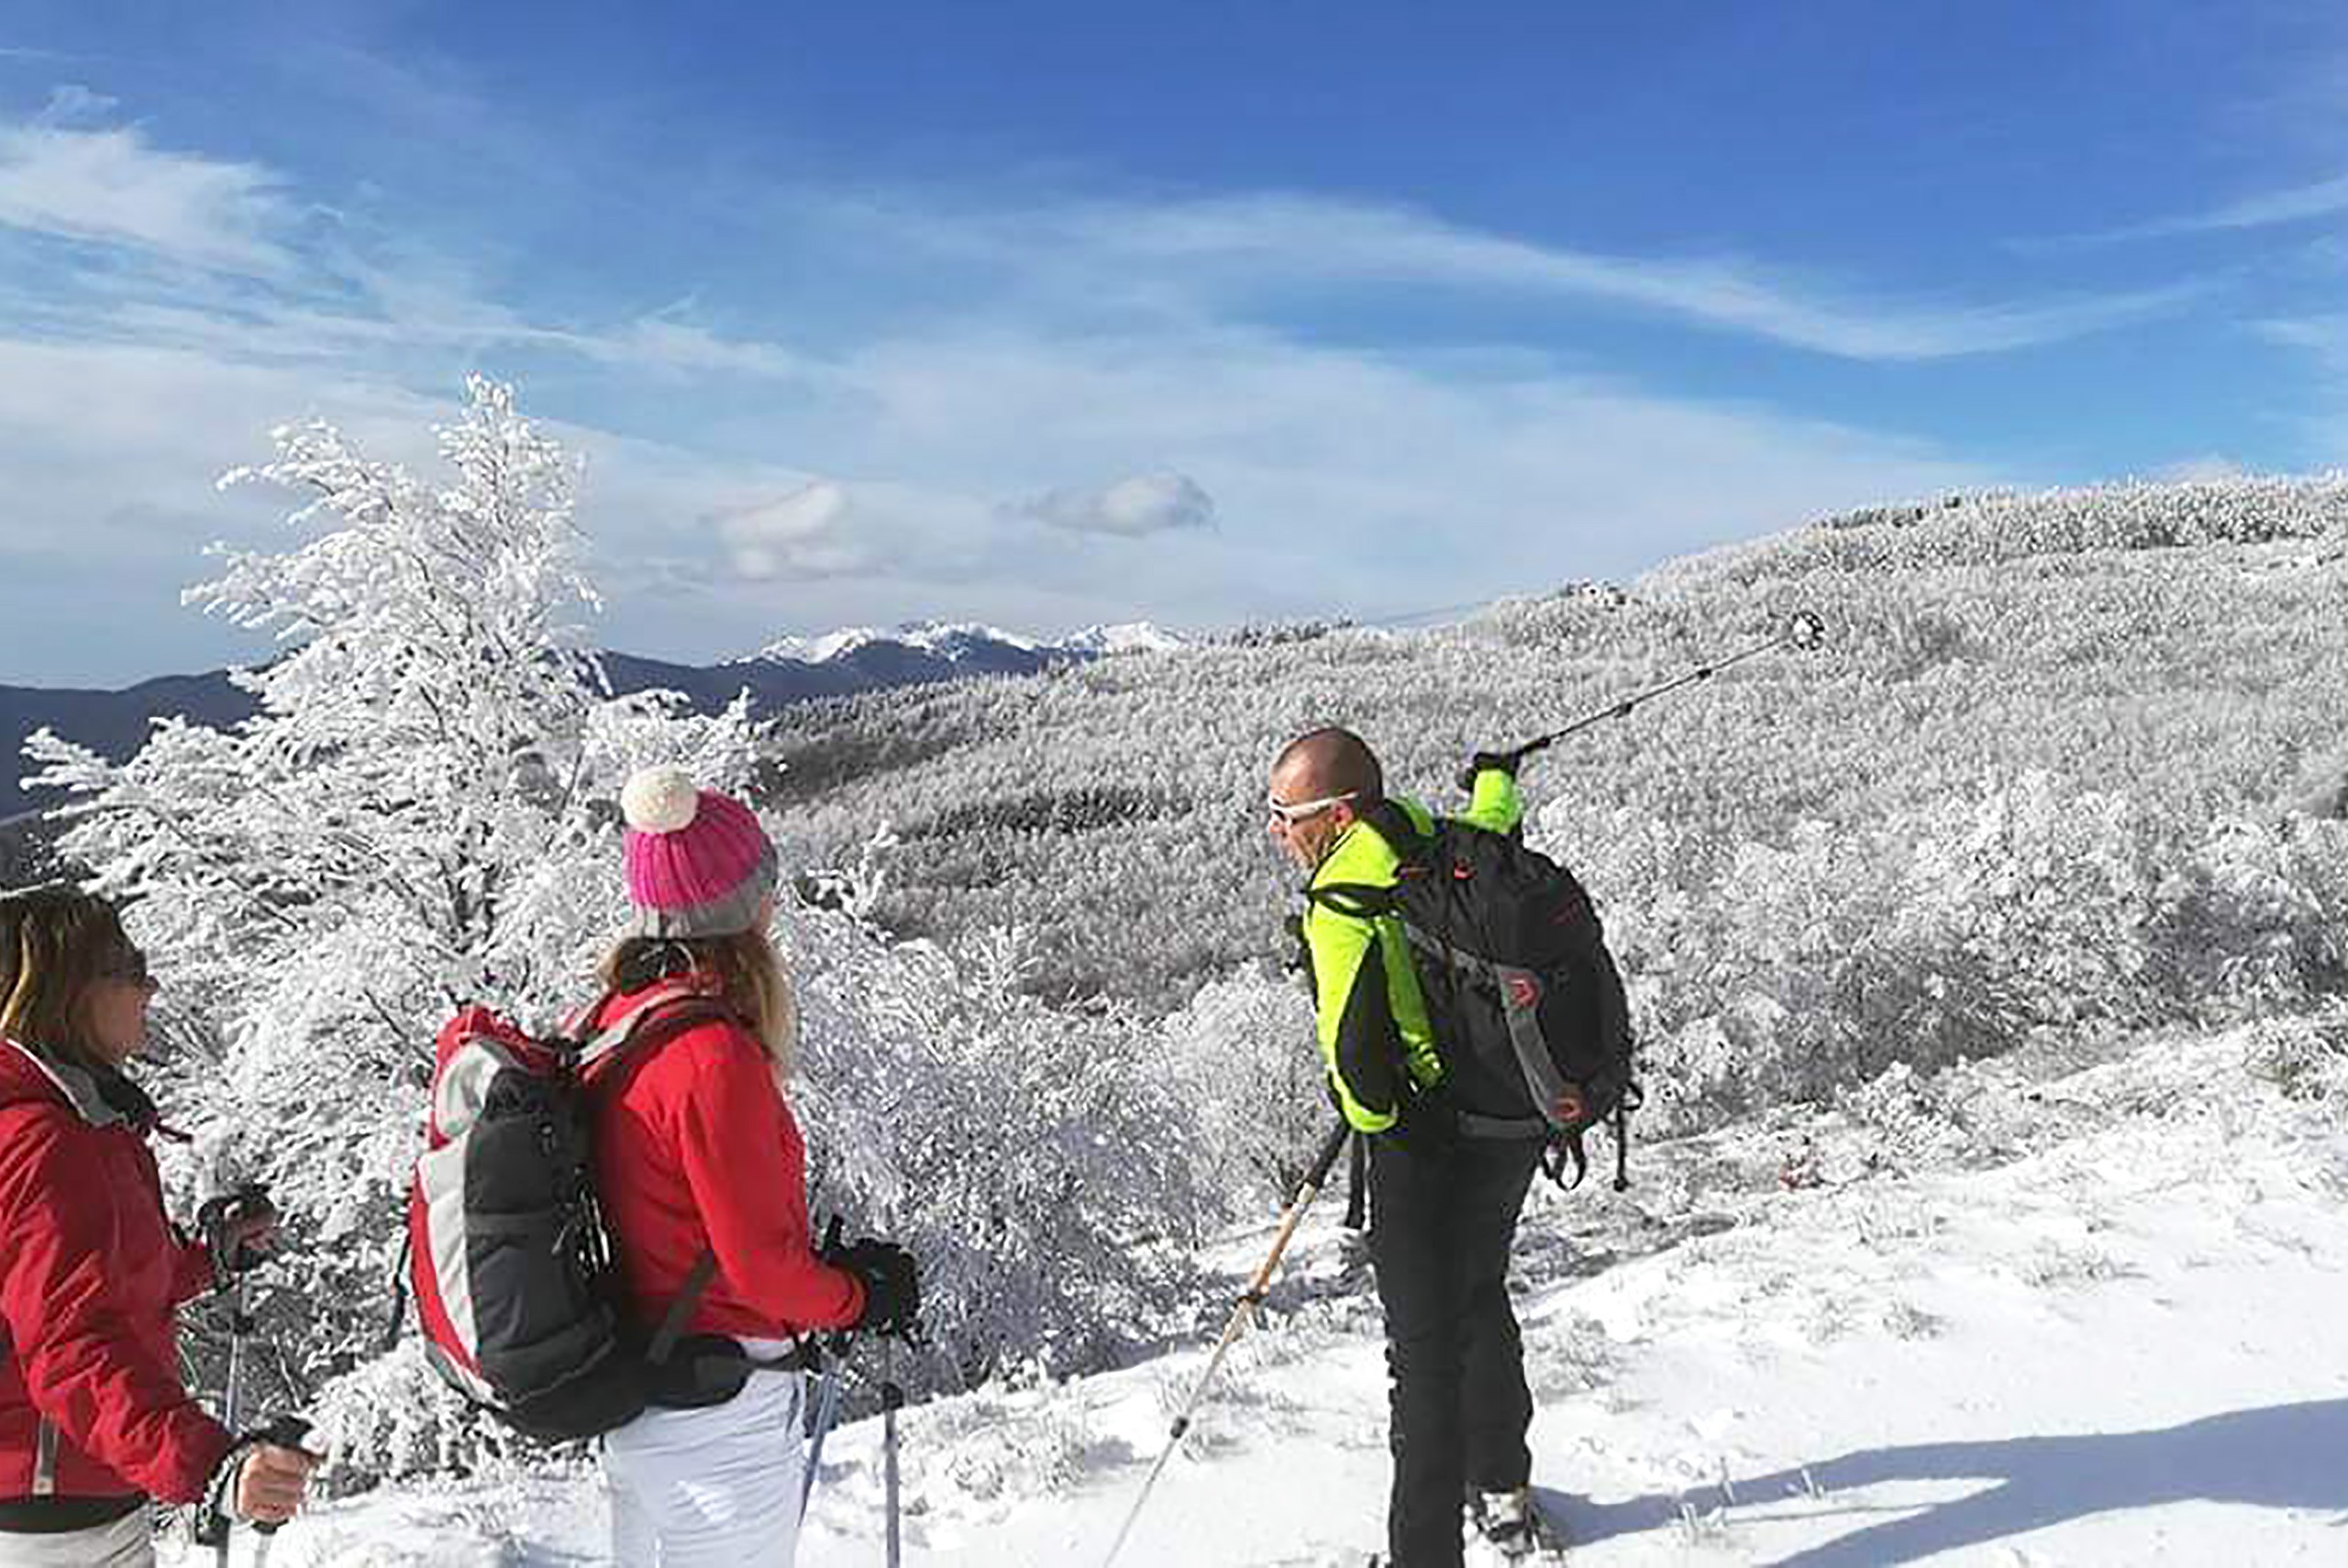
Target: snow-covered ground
{"points": [[2033, 1313]]}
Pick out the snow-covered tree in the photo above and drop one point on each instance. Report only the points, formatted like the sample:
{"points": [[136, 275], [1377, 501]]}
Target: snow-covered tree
{"points": [[417, 815]]}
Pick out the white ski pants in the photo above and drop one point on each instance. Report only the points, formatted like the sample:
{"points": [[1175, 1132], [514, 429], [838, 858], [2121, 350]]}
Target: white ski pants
{"points": [[715, 1487], [129, 1542]]}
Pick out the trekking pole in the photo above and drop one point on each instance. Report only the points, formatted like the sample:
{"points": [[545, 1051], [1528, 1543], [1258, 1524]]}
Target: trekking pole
{"points": [[827, 1411], [827, 1392], [1241, 1316], [220, 1218], [1804, 630], [892, 1399]]}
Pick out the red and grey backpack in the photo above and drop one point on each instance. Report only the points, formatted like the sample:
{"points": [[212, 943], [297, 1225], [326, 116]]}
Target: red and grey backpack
{"points": [[507, 1252]]}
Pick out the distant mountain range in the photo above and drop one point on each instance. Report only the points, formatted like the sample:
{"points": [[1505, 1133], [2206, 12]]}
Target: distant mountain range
{"points": [[115, 724]]}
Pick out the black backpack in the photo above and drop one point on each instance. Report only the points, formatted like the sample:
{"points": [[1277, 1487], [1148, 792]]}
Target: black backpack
{"points": [[1522, 996], [508, 1257]]}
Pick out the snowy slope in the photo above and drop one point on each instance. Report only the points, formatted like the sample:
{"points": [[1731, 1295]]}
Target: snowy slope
{"points": [[2028, 1313]]}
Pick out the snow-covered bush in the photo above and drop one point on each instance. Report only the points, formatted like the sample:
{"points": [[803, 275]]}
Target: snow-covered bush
{"points": [[2257, 917], [2304, 1059], [1933, 937], [1037, 1159], [1244, 1053]]}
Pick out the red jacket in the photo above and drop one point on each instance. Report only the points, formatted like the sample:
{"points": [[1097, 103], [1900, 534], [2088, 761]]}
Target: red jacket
{"points": [[695, 1147], [91, 1272]]}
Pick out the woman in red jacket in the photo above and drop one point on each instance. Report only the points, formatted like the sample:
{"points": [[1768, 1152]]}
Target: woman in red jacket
{"points": [[699, 1158], [93, 1418]]}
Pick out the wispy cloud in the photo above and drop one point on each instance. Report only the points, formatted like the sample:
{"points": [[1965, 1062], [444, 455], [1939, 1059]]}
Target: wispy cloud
{"points": [[2322, 337], [2263, 209], [110, 186], [1311, 238], [1151, 253]]}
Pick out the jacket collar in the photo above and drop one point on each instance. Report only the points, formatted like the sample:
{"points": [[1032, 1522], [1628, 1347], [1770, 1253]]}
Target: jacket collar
{"points": [[102, 1097]]}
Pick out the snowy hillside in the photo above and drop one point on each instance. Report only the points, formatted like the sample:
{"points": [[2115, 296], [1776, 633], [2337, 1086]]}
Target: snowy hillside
{"points": [[2180, 645], [1987, 967], [2034, 1312]]}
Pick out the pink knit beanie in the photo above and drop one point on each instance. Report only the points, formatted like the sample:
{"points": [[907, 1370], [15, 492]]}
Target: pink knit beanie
{"points": [[698, 862]]}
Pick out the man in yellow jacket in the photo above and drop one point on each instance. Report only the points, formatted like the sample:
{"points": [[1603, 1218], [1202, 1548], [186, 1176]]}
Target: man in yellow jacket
{"points": [[1444, 1199]]}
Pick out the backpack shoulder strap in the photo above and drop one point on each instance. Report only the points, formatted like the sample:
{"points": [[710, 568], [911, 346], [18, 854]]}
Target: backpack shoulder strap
{"points": [[671, 1007], [1401, 834], [1362, 900]]}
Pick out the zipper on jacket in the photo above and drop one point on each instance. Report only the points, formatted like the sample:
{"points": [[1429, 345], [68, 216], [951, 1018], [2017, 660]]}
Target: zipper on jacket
{"points": [[45, 1460]]}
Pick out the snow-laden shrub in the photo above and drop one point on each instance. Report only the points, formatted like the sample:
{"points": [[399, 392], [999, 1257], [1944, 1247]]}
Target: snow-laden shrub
{"points": [[1244, 1054], [1785, 971], [394, 1417], [1036, 1158], [2257, 917], [1819, 963], [2303, 1058]]}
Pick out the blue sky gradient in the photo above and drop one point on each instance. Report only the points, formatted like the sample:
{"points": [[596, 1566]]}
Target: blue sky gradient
{"points": [[1054, 314]]}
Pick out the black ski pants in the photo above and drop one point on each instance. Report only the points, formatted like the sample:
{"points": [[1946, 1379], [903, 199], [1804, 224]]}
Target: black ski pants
{"points": [[1443, 1217]]}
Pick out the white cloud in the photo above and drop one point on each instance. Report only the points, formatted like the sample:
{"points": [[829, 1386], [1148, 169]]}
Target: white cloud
{"points": [[1132, 508], [2323, 199], [72, 104], [802, 533], [109, 185], [664, 343], [2207, 466]]}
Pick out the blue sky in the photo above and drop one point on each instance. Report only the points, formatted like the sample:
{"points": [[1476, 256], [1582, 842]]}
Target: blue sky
{"points": [[1047, 315]]}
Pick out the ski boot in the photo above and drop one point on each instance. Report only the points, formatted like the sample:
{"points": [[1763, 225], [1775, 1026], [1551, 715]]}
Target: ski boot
{"points": [[1513, 1525]]}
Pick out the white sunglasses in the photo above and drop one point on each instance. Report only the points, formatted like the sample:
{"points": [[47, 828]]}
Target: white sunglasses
{"points": [[1303, 811]]}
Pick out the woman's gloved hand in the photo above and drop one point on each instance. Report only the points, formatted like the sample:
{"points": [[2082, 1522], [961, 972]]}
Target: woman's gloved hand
{"points": [[891, 1285]]}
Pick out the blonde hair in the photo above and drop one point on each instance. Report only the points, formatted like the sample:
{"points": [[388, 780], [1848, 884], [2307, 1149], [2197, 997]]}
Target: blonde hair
{"points": [[55, 944], [749, 973]]}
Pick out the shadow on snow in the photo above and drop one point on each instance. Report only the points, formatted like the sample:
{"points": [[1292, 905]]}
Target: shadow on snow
{"points": [[2285, 1456]]}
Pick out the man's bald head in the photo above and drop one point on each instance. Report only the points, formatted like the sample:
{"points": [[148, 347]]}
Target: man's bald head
{"points": [[1331, 762]]}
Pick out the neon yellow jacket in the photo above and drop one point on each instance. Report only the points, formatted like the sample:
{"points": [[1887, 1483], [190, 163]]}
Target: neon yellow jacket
{"points": [[1370, 1016]]}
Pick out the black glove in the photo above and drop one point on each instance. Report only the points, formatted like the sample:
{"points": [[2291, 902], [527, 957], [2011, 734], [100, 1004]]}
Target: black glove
{"points": [[1505, 761], [233, 1226], [1426, 1121], [892, 1286]]}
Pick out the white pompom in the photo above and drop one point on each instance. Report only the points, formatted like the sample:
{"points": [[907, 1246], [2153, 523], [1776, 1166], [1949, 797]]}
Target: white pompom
{"points": [[660, 799]]}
